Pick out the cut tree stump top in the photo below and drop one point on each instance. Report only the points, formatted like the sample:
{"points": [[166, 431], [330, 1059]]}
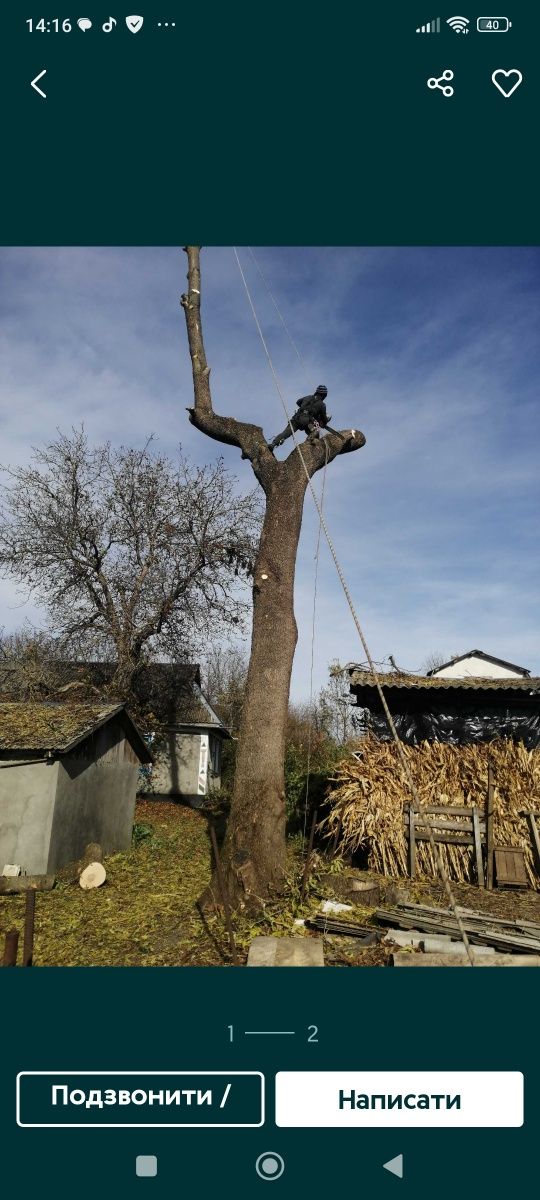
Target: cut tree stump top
{"points": [[93, 876]]}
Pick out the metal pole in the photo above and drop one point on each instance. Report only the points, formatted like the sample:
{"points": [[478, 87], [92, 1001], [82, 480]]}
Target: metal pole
{"points": [[308, 857], [224, 897], [10, 948], [29, 916]]}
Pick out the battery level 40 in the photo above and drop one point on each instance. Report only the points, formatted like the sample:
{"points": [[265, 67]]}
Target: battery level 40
{"points": [[493, 24]]}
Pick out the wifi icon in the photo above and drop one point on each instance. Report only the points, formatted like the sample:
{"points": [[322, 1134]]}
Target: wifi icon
{"points": [[459, 24]]}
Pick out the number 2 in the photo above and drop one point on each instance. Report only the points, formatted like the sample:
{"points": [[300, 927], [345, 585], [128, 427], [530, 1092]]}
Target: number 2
{"points": [[313, 1031]]}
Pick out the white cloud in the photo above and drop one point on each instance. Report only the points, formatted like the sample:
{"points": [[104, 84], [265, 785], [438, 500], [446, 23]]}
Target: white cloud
{"points": [[433, 353]]}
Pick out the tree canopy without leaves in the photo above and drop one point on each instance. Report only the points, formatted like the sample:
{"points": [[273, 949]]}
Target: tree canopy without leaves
{"points": [[30, 666], [225, 682], [131, 554]]}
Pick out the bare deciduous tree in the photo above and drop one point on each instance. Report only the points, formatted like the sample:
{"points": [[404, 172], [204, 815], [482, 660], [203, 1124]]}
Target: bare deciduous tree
{"points": [[131, 554], [29, 665], [433, 661], [335, 707], [254, 849], [225, 683]]}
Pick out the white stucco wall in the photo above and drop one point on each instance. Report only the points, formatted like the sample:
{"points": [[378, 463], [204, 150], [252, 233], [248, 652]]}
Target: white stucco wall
{"points": [[27, 801], [477, 667], [176, 766], [183, 766]]}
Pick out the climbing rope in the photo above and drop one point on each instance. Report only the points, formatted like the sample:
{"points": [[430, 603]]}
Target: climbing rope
{"points": [[373, 671], [282, 318], [316, 580]]}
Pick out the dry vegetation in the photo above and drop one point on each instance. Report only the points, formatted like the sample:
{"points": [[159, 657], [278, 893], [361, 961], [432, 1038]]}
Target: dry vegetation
{"points": [[370, 796], [144, 915]]}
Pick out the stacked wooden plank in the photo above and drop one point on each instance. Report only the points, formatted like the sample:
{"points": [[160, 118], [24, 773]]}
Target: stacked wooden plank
{"points": [[519, 936], [329, 925]]}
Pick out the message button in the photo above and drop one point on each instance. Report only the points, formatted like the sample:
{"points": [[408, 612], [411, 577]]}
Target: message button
{"points": [[399, 1099]]}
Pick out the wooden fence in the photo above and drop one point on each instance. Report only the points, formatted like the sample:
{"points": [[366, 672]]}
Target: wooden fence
{"points": [[456, 825]]}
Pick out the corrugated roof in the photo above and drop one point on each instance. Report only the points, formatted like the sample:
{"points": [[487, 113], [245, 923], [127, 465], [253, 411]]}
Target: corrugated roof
{"points": [[362, 678], [47, 725]]}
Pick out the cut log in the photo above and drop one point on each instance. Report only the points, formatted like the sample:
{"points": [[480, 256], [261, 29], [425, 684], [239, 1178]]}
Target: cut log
{"points": [[456, 960], [93, 876], [26, 883]]}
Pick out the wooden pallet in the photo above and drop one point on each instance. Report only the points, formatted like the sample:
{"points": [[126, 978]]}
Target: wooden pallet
{"points": [[465, 828]]}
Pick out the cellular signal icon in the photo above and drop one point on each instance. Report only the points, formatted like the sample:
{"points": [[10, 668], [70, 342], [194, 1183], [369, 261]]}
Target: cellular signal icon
{"points": [[431, 27]]}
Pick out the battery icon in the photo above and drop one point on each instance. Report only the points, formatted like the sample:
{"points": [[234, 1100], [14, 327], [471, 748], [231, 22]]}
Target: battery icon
{"points": [[493, 24]]}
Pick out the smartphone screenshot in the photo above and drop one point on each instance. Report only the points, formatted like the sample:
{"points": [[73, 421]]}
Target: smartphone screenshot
{"points": [[269, 637]]}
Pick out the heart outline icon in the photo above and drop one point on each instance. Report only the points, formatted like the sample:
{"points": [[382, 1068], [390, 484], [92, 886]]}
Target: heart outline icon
{"points": [[134, 23], [507, 74]]}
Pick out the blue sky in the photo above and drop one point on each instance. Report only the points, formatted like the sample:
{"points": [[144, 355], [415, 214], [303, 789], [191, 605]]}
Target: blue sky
{"points": [[433, 352]]}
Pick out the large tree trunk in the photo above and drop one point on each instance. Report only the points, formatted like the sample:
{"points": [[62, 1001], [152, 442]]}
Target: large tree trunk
{"points": [[254, 848]]}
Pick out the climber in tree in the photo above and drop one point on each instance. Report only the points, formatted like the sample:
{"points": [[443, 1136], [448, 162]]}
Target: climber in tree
{"points": [[311, 417]]}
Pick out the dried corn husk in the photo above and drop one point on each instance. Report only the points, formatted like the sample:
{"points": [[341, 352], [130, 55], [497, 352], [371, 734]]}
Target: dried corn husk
{"points": [[370, 794]]}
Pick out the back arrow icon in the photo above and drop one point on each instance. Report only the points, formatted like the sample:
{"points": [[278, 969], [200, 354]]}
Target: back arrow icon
{"points": [[34, 84]]}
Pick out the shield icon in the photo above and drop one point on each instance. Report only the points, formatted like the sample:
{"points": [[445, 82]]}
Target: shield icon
{"points": [[134, 24]]}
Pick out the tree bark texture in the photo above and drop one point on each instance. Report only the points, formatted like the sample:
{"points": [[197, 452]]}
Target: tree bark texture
{"points": [[254, 848]]}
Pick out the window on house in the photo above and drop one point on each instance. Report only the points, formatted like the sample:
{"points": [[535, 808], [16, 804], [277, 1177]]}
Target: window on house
{"points": [[215, 756]]}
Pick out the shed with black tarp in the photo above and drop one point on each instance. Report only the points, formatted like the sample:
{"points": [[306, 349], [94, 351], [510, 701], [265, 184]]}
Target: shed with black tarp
{"points": [[459, 711]]}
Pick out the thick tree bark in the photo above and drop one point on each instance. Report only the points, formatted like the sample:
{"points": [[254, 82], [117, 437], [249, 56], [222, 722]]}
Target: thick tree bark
{"points": [[254, 848]]}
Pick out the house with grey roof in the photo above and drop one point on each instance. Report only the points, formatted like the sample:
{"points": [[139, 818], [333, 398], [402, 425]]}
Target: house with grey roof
{"points": [[68, 776]]}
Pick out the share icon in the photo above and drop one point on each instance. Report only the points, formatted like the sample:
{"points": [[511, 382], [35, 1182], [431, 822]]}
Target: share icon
{"points": [[442, 83]]}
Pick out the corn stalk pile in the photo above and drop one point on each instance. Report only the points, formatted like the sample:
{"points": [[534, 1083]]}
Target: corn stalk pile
{"points": [[370, 796]]}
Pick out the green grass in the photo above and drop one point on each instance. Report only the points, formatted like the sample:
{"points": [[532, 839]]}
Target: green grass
{"points": [[144, 915]]}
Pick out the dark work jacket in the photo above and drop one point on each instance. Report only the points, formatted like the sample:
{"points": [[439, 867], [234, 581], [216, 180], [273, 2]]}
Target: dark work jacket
{"points": [[314, 408]]}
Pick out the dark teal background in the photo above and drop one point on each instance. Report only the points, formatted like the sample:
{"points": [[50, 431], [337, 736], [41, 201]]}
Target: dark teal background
{"points": [[178, 1019], [289, 124], [283, 123]]}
